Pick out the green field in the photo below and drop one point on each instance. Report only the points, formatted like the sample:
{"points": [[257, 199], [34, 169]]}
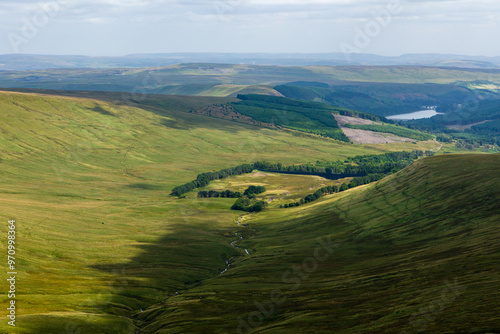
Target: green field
{"points": [[87, 181]]}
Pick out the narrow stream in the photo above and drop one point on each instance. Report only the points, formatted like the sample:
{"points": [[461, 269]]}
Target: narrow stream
{"points": [[233, 243]]}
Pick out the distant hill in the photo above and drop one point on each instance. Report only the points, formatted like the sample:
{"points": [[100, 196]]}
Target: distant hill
{"points": [[206, 79], [37, 62], [382, 99]]}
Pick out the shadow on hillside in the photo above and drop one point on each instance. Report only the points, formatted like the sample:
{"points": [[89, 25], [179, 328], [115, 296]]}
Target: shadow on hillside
{"points": [[180, 260]]}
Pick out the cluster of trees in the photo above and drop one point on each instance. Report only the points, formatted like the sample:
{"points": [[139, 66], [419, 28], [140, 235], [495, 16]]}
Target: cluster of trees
{"points": [[254, 190], [221, 194], [476, 137], [244, 204], [482, 134], [387, 157], [321, 192], [204, 179], [472, 142], [443, 138]]}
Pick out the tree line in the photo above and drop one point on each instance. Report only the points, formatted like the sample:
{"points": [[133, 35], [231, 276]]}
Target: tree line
{"points": [[352, 167], [221, 194], [358, 166], [204, 179], [250, 192]]}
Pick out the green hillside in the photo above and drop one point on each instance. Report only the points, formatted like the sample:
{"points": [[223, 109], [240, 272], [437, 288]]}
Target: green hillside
{"points": [[416, 252], [314, 117], [385, 98], [471, 125], [307, 117], [234, 90], [87, 178]]}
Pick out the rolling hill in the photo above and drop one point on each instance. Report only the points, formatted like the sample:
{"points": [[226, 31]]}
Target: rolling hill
{"points": [[196, 78], [104, 249], [381, 90], [382, 99], [86, 176], [34, 62], [262, 110]]}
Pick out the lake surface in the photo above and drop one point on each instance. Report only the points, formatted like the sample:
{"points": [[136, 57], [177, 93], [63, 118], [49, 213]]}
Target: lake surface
{"points": [[428, 113]]}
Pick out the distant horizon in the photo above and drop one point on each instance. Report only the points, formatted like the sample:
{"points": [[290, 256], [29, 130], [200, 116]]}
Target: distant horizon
{"points": [[26, 61], [249, 53]]}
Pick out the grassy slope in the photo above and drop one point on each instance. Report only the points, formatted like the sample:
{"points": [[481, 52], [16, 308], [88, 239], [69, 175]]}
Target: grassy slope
{"points": [[416, 252], [233, 90], [161, 102], [87, 182]]}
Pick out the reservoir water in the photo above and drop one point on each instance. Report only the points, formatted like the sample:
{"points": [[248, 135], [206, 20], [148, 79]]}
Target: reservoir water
{"points": [[428, 113]]}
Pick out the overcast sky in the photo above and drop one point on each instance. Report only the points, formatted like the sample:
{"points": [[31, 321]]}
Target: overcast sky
{"points": [[120, 27]]}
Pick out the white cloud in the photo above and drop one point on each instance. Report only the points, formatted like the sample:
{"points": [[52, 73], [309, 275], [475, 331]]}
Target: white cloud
{"points": [[300, 25]]}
